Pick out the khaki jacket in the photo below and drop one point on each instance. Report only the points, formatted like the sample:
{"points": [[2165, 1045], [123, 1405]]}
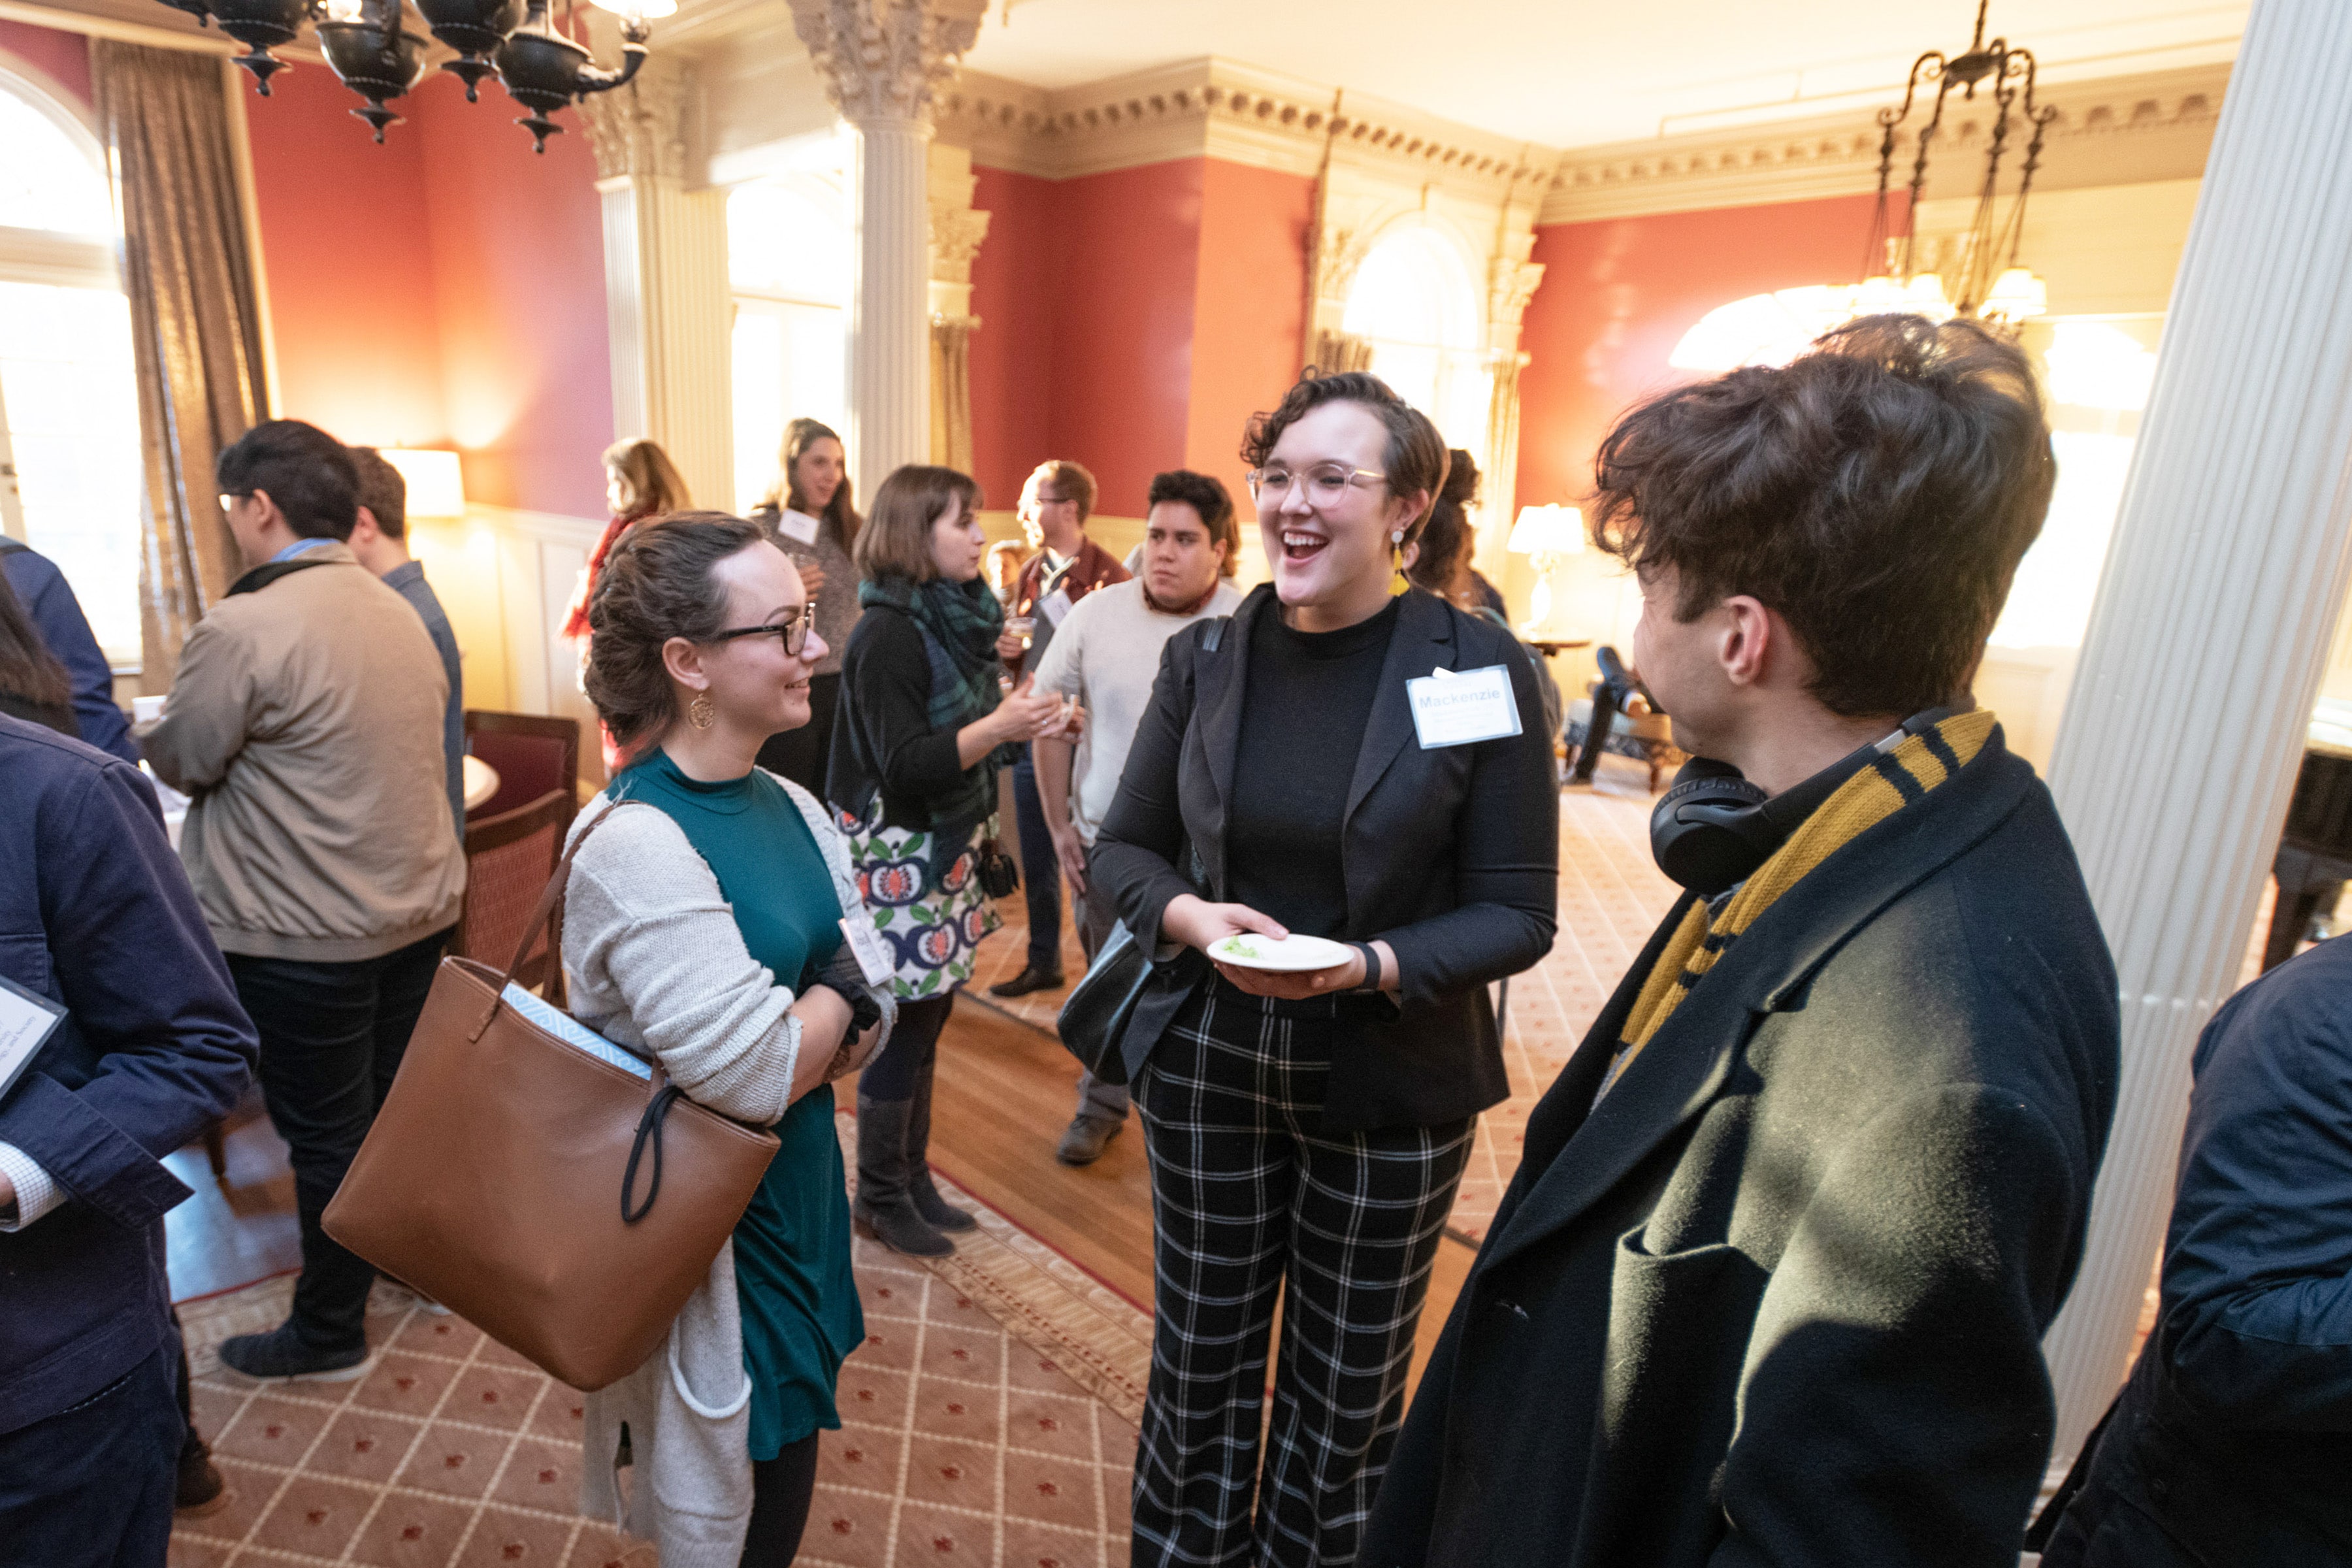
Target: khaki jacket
{"points": [[305, 722]]}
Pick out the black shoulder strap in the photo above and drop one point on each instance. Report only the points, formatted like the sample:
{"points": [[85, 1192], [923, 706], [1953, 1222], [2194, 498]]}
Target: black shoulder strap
{"points": [[1215, 633], [260, 577]]}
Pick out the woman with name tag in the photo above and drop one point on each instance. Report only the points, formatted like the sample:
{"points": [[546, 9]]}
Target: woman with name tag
{"points": [[721, 934], [922, 733], [1342, 797], [807, 511]]}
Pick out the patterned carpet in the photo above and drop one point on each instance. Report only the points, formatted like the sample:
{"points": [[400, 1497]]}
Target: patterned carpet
{"points": [[1610, 897], [989, 1419]]}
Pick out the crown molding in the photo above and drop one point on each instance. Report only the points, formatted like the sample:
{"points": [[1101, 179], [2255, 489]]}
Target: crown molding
{"points": [[1217, 109], [2126, 130]]}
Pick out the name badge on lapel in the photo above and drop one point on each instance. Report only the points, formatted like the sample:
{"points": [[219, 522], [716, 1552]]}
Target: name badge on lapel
{"points": [[1455, 708]]}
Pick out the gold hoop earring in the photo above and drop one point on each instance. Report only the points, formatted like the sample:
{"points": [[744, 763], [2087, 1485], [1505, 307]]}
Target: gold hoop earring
{"points": [[700, 712]]}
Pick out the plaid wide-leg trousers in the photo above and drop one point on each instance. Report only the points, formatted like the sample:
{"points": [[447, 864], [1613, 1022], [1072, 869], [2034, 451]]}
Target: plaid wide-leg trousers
{"points": [[1250, 1196]]}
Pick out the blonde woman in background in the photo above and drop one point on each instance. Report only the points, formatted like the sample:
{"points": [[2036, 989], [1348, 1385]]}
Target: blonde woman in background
{"points": [[640, 481], [809, 515]]}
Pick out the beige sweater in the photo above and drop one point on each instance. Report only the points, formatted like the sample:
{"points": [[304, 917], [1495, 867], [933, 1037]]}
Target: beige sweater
{"points": [[307, 722], [655, 960]]}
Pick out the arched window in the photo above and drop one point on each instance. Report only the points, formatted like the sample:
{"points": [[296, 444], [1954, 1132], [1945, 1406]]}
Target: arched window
{"points": [[788, 264], [71, 473], [1414, 300]]}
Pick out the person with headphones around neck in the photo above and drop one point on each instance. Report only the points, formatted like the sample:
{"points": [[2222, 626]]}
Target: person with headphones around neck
{"points": [[1361, 770], [1770, 1282]]}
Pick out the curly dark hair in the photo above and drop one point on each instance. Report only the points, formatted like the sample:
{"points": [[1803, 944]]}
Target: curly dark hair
{"points": [[1415, 460], [655, 585], [1877, 491], [1444, 566], [1206, 495]]}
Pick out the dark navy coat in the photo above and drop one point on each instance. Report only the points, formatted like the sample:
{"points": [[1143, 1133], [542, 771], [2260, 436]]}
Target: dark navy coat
{"points": [[2233, 1445], [96, 914]]}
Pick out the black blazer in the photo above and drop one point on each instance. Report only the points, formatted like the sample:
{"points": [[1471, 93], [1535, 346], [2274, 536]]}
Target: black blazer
{"points": [[1779, 1297], [1451, 856], [2233, 1443]]}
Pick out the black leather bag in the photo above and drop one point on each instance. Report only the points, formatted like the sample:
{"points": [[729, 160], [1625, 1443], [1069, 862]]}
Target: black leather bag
{"points": [[1093, 1016]]}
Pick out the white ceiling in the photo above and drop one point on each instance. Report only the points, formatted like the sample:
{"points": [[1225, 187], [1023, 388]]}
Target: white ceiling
{"points": [[1572, 73]]}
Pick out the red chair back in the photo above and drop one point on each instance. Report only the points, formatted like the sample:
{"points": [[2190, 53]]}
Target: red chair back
{"points": [[535, 755], [508, 859]]}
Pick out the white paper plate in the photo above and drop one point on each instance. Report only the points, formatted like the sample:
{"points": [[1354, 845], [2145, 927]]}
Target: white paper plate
{"points": [[1293, 954]]}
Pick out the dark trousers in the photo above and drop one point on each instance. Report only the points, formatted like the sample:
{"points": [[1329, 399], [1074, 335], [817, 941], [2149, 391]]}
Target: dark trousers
{"points": [[1608, 700], [1041, 870], [904, 1068], [801, 756], [93, 1486], [1250, 1198], [331, 1038], [780, 1490]]}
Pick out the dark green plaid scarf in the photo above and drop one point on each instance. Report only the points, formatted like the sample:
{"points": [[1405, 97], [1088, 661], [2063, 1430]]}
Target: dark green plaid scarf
{"points": [[961, 623]]}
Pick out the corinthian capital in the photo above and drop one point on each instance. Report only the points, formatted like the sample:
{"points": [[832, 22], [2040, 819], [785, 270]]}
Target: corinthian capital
{"points": [[640, 129], [881, 59]]}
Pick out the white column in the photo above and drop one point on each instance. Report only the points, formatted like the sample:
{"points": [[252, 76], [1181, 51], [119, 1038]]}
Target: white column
{"points": [[666, 305], [879, 61], [889, 382], [2185, 726]]}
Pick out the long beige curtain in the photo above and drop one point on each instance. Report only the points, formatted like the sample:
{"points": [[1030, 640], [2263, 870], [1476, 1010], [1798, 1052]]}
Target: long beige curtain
{"points": [[952, 391], [194, 319]]}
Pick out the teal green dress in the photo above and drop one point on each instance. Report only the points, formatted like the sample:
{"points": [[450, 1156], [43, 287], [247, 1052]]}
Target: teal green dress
{"points": [[792, 1280]]}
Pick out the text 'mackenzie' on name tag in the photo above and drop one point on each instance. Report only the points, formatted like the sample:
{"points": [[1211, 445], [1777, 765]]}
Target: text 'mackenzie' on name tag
{"points": [[797, 525], [1455, 708]]}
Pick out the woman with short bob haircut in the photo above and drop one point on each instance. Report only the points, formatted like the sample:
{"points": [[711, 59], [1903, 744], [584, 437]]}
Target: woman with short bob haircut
{"points": [[916, 744], [1306, 1130], [711, 933]]}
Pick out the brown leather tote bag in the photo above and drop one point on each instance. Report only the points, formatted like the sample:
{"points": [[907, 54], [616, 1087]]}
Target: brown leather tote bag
{"points": [[565, 1203]]}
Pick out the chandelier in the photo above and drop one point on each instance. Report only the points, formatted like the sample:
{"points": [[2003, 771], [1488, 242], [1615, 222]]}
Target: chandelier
{"points": [[372, 46], [1977, 273]]}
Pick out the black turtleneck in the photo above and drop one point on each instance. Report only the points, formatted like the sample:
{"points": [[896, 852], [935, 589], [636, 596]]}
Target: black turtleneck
{"points": [[1308, 700]]}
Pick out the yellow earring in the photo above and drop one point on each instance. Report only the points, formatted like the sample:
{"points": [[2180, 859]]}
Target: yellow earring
{"points": [[700, 712], [1398, 582]]}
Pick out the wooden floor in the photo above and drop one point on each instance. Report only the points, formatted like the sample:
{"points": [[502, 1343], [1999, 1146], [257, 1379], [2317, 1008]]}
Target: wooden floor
{"points": [[1005, 1090]]}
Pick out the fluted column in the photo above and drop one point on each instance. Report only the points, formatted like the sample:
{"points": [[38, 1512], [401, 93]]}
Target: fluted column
{"points": [[666, 305], [879, 61], [2186, 722]]}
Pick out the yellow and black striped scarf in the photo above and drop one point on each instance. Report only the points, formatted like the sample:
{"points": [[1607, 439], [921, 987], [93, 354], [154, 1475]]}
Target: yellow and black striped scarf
{"points": [[1891, 782]]}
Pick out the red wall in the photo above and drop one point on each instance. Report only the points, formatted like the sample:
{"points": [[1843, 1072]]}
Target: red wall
{"points": [[1617, 296], [63, 58], [1132, 321]]}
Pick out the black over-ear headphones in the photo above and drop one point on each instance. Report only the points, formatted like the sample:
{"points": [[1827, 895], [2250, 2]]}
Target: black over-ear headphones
{"points": [[1713, 828]]}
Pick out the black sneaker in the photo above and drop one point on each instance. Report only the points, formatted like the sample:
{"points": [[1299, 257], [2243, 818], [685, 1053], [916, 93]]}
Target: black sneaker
{"points": [[201, 1490], [1026, 982], [280, 1355]]}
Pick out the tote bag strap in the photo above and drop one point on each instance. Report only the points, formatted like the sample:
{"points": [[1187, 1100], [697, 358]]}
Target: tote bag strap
{"points": [[548, 917]]}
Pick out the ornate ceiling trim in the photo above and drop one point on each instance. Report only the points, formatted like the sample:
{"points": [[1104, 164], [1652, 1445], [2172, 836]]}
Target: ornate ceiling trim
{"points": [[2115, 131], [1216, 109]]}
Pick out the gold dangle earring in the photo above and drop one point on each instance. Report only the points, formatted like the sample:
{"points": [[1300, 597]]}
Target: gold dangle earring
{"points": [[700, 712], [1398, 581]]}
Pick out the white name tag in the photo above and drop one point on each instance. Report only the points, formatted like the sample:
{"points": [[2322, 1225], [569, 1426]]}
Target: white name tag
{"points": [[797, 525], [1055, 606], [1455, 707], [873, 954]]}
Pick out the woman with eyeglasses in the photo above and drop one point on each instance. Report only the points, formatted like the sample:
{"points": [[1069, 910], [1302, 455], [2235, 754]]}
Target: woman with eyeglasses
{"points": [[920, 736], [717, 932], [1351, 760]]}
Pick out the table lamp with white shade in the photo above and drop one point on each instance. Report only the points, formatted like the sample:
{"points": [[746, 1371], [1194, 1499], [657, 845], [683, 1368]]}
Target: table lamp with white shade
{"points": [[436, 487], [1547, 536]]}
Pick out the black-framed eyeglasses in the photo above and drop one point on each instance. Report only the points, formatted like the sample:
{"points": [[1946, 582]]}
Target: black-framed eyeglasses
{"points": [[793, 633]]}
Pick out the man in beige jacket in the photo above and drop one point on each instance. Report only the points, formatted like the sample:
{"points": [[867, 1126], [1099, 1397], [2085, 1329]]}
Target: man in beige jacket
{"points": [[305, 722]]}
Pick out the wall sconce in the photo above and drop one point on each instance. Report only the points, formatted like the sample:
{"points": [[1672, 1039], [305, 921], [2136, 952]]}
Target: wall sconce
{"points": [[1547, 536], [436, 486]]}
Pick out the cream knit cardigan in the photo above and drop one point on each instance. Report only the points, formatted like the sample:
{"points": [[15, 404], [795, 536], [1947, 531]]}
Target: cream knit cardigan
{"points": [[656, 963]]}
